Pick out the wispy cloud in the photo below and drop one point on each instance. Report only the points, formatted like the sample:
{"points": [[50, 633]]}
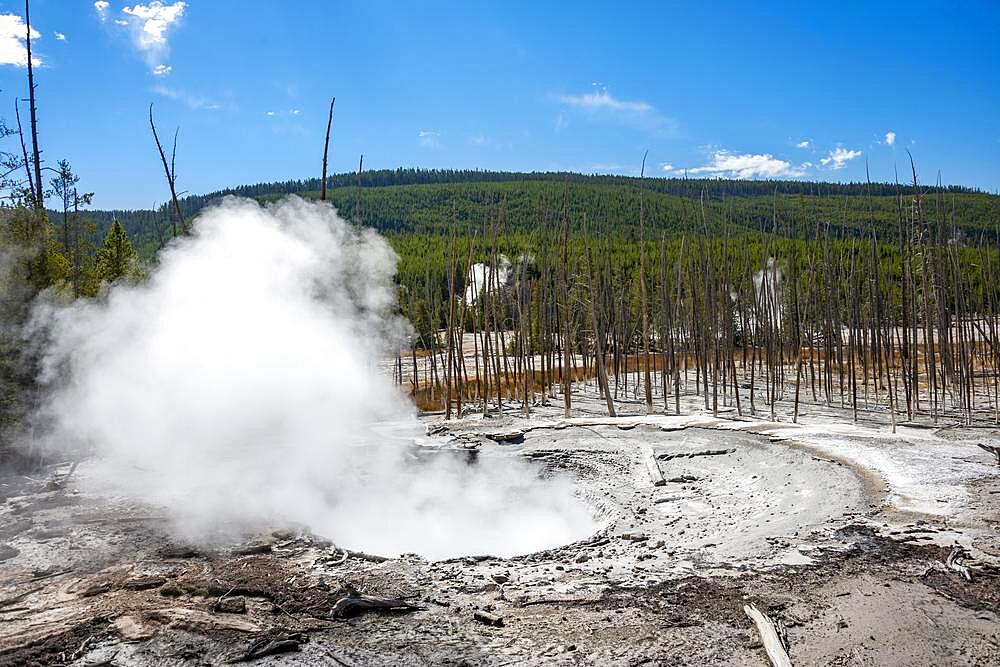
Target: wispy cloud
{"points": [[162, 70], [484, 141], [601, 100], [600, 104], [890, 138], [839, 157], [727, 164], [429, 138], [195, 102], [666, 166], [271, 113], [805, 143], [102, 6], [13, 35], [60, 37]]}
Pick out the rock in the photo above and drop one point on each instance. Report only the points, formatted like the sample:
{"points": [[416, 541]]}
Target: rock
{"points": [[7, 552], [97, 588], [201, 622], [511, 437], [233, 605], [132, 629], [179, 551], [253, 548], [144, 582], [582, 558], [487, 618]]}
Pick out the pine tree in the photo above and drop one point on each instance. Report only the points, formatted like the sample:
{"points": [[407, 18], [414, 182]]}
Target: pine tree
{"points": [[116, 258]]}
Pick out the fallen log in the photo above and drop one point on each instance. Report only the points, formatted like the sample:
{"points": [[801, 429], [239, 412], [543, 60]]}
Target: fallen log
{"points": [[509, 437], [995, 451], [953, 564], [487, 618], [691, 455], [283, 643], [652, 467], [354, 604], [775, 650]]}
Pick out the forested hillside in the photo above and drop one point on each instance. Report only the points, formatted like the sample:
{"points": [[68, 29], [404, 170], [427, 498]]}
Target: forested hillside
{"points": [[412, 201]]}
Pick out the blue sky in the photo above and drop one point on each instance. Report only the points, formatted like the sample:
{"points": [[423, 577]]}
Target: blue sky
{"points": [[758, 90]]}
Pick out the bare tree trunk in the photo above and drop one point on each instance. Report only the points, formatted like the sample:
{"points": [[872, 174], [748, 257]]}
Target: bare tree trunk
{"points": [[326, 150], [24, 153], [39, 189], [643, 295], [170, 170]]}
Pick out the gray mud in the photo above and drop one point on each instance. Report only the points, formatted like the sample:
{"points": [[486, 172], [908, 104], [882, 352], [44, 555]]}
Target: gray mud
{"points": [[795, 525]]}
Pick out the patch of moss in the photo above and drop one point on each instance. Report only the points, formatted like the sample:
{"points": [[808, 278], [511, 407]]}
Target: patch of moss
{"points": [[173, 589]]}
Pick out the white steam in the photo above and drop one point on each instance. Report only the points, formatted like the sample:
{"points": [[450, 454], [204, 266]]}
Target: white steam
{"points": [[484, 279], [237, 387]]}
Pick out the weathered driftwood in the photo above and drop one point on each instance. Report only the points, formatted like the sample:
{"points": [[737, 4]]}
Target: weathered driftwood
{"points": [[775, 650], [487, 618], [683, 479], [355, 604], [253, 549], [282, 643], [510, 437], [691, 455], [952, 564], [655, 474], [995, 451]]}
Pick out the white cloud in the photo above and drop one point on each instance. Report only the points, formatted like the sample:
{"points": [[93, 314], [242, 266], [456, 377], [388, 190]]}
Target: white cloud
{"points": [[59, 37], [600, 104], [805, 143], [666, 166], [748, 165], [13, 35], [429, 138], [890, 137], [195, 102], [603, 100], [153, 21], [102, 9], [162, 70], [269, 113], [839, 157], [295, 112], [148, 27]]}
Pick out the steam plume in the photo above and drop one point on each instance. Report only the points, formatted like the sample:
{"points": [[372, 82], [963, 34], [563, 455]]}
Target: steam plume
{"points": [[237, 387]]}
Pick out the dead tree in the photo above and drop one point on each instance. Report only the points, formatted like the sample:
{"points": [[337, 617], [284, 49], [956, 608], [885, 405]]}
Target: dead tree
{"points": [[170, 171], [647, 382], [326, 150], [24, 152], [39, 191]]}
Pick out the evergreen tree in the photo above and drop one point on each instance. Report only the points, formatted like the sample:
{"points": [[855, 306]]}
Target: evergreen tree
{"points": [[116, 258]]}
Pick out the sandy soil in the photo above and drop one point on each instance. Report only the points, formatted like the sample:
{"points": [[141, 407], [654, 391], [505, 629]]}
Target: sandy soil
{"points": [[840, 533]]}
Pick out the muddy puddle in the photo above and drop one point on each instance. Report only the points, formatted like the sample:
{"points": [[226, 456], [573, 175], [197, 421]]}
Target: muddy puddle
{"points": [[672, 552]]}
